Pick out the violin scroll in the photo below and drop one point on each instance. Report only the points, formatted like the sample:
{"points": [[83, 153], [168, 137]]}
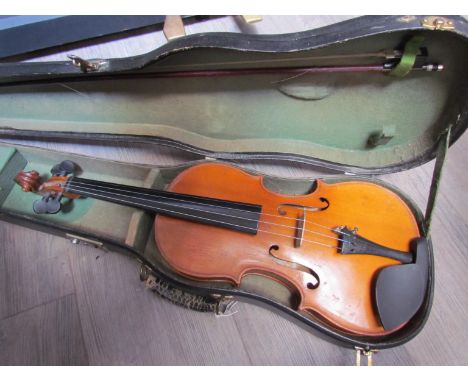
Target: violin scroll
{"points": [[29, 181], [52, 191]]}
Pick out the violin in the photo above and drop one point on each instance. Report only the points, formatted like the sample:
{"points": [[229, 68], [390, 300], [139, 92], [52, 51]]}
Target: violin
{"points": [[333, 247]]}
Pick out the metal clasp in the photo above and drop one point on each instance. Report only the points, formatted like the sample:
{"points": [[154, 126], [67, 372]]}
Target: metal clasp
{"points": [[437, 23], [86, 65], [84, 241], [224, 305], [367, 353]]}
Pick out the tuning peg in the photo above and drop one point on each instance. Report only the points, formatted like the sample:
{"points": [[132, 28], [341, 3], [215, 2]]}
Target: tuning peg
{"points": [[48, 204], [64, 168]]}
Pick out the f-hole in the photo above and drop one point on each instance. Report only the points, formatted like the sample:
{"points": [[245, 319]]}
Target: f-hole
{"points": [[296, 266], [282, 206]]}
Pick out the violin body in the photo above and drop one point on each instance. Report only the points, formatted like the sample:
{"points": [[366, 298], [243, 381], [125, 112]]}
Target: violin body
{"points": [[350, 251], [295, 246]]}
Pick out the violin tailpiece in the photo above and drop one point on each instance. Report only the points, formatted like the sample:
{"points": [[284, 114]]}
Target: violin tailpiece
{"points": [[353, 244]]}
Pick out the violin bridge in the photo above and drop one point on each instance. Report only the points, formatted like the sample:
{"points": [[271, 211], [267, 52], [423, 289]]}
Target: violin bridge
{"points": [[299, 237]]}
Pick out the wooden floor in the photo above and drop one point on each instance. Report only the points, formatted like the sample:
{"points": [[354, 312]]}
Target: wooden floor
{"points": [[64, 304]]}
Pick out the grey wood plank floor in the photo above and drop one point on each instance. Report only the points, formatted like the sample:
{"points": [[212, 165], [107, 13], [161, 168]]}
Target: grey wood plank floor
{"points": [[66, 304]]}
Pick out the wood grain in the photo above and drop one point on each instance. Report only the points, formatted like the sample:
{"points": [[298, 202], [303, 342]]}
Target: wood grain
{"points": [[24, 263], [344, 296], [49, 334], [124, 323]]}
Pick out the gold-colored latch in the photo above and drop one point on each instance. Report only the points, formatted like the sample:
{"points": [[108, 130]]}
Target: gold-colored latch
{"points": [[438, 23], [367, 353], [75, 239]]}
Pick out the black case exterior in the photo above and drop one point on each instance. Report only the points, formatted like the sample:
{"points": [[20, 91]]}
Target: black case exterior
{"points": [[17, 74]]}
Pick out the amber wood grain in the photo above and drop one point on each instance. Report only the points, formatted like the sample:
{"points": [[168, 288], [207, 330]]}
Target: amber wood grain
{"points": [[28, 181], [344, 295]]}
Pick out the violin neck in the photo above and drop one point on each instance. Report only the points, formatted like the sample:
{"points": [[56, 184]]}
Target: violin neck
{"points": [[232, 215]]}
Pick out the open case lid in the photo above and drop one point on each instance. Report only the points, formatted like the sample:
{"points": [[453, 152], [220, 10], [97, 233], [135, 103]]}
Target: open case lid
{"points": [[276, 107]]}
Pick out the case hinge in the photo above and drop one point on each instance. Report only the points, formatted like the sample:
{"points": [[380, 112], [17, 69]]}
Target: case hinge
{"points": [[86, 66], [437, 23]]}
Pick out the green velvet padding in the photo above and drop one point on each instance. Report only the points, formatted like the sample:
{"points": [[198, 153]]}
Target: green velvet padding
{"points": [[10, 162], [23, 201], [326, 116], [85, 214], [5, 155]]}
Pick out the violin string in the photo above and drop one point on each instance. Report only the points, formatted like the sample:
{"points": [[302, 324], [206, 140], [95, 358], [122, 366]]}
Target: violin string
{"points": [[71, 189], [218, 221], [212, 212], [335, 230]]}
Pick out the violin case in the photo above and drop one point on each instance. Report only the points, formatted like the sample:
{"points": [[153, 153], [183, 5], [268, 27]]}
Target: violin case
{"points": [[352, 124]]}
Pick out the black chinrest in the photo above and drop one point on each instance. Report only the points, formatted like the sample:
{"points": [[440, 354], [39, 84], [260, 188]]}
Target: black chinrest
{"points": [[400, 289]]}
